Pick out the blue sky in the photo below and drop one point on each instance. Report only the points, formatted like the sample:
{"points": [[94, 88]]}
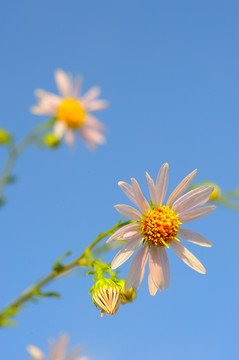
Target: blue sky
{"points": [[170, 73]]}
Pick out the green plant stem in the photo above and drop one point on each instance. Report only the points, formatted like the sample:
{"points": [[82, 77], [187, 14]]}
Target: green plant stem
{"points": [[16, 151], [36, 288]]}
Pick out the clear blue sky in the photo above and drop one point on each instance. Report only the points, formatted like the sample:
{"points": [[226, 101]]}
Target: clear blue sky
{"points": [[170, 72]]}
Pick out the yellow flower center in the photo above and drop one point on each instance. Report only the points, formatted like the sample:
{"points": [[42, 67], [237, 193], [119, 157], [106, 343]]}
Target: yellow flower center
{"points": [[160, 226], [71, 112]]}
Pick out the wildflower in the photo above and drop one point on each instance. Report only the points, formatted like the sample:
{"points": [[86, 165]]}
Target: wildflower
{"points": [[71, 111], [106, 295], [57, 351], [157, 227]]}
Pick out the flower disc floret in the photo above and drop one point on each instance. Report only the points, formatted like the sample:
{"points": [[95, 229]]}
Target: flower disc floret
{"points": [[71, 113], [160, 226]]}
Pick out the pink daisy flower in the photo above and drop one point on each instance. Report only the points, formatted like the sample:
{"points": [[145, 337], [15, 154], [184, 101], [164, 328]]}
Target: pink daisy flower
{"points": [[72, 111], [156, 226]]}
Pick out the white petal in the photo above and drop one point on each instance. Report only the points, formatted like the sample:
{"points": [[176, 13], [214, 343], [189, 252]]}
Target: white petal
{"points": [[131, 234], [166, 268], [126, 251], [181, 188], [59, 129], [63, 83], [91, 94], [186, 256], [155, 267], [69, 137], [194, 237], [120, 233], [73, 355], [35, 353], [58, 349], [129, 212], [96, 105], [137, 268], [142, 203], [152, 189], [91, 137], [194, 198], [196, 214], [128, 191], [77, 86], [47, 103], [94, 123], [152, 288], [162, 183]]}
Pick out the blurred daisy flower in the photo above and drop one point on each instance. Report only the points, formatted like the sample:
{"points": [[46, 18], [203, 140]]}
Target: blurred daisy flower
{"points": [[72, 111], [57, 351], [156, 226]]}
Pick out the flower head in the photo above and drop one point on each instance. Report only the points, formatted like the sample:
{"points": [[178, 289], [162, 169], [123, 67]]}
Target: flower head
{"points": [[57, 351], [106, 296], [72, 111], [157, 226]]}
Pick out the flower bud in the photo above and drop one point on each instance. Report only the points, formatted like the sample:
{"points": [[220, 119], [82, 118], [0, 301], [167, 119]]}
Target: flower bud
{"points": [[127, 296], [216, 194], [4, 137], [51, 140], [106, 296]]}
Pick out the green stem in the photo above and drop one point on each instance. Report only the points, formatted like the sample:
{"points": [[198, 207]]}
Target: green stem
{"points": [[36, 288], [16, 150]]}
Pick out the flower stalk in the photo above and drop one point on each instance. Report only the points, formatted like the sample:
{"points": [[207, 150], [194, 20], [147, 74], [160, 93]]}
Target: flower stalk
{"points": [[85, 259], [16, 150]]}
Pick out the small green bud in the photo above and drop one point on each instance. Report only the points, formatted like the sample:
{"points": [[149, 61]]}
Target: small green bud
{"points": [[5, 137], [127, 296], [51, 140], [216, 194]]}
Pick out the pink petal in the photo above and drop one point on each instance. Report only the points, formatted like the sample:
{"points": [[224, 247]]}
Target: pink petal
{"points": [[152, 288], [96, 105], [181, 188], [63, 83], [69, 137], [196, 214], [194, 237], [90, 95], [120, 233], [152, 189], [77, 87], [137, 268], [128, 191], [58, 350], [155, 267], [91, 137], [165, 267], [126, 251], [192, 199], [47, 105], [162, 183], [186, 256], [128, 211], [142, 203], [94, 123]]}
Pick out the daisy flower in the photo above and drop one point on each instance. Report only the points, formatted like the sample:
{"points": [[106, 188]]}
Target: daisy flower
{"points": [[156, 226], [72, 111], [57, 351]]}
